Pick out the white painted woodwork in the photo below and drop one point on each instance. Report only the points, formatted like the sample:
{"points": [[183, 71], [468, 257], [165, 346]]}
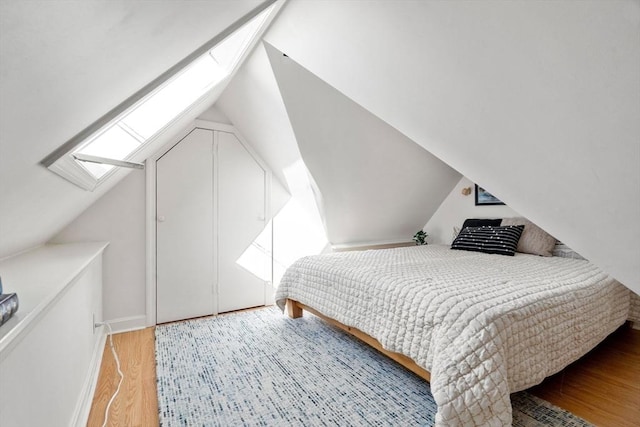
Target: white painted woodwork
{"points": [[185, 250], [211, 205], [241, 218], [50, 353]]}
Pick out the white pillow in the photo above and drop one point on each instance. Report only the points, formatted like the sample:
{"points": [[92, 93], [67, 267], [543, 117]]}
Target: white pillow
{"points": [[534, 240], [565, 251], [456, 231]]}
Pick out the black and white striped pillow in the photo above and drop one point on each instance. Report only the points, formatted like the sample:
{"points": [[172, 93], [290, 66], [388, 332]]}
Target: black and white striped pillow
{"points": [[489, 239]]}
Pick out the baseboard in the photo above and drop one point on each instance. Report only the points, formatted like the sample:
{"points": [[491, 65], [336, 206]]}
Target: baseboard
{"points": [[83, 407], [126, 324], [381, 244]]}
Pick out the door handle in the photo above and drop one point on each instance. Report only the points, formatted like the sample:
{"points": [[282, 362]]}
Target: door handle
{"points": [[161, 218]]}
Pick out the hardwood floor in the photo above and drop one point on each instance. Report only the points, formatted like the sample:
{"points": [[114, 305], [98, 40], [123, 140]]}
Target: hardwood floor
{"points": [[137, 404], [603, 387]]}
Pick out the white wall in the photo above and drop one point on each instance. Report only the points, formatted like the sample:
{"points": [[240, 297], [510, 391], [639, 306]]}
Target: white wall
{"points": [[50, 365], [214, 114], [538, 101], [253, 103], [458, 207], [376, 184], [64, 64], [119, 218]]}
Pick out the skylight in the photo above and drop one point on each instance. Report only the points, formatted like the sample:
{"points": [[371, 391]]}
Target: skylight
{"points": [[124, 136]]}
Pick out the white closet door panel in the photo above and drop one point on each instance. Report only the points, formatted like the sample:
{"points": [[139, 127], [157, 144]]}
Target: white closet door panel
{"points": [[184, 229], [241, 219]]}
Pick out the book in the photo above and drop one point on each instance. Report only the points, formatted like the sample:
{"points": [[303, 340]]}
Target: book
{"points": [[8, 306]]}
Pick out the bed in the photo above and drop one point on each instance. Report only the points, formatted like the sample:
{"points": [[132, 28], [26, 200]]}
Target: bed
{"points": [[477, 326]]}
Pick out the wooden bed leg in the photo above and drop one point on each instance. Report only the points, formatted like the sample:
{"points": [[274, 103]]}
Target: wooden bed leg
{"points": [[293, 309]]}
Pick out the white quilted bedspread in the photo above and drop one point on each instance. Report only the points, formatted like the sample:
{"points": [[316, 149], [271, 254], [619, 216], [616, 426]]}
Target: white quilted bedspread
{"points": [[483, 325]]}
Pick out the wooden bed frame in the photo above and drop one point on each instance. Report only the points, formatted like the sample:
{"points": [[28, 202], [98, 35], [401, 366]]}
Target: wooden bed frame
{"points": [[295, 309]]}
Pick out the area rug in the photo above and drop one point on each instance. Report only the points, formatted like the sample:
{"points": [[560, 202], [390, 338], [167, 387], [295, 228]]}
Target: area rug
{"points": [[260, 368]]}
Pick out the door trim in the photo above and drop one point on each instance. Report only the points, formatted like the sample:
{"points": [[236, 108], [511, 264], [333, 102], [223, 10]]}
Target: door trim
{"points": [[150, 201]]}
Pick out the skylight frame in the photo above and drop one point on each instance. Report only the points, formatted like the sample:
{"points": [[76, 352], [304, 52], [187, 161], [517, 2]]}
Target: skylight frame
{"points": [[119, 121], [62, 160]]}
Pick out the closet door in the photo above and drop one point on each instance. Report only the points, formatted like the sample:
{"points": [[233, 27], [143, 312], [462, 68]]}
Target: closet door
{"points": [[184, 229], [241, 219]]}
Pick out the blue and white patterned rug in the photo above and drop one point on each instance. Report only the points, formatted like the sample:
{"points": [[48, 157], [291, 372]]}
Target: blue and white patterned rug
{"points": [[260, 368]]}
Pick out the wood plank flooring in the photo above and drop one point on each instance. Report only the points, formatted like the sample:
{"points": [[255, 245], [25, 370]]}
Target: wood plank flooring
{"points": [[137, 403], [603, 387]]}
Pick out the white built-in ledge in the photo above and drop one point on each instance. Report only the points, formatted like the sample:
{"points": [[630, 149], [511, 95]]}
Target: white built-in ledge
{"points": [[40, 277]]}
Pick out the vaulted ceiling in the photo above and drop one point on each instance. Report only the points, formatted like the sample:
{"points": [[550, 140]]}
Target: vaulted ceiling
{"points": [[538, 101], [64, 64], [375, 184]]}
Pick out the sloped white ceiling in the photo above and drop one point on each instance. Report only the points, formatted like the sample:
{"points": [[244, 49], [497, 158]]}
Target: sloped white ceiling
{"points": [[376, 184], [254, 105], [538, 101], [64, 64]]}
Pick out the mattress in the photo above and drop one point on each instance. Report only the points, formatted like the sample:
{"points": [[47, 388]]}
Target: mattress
{"points": [[483, 325], [634, 308]]}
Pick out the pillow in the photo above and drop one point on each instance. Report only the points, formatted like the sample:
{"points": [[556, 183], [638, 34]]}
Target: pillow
{"points": [[564, 251], [534, 240], [456, 231], [480, 222], [489, 239]]}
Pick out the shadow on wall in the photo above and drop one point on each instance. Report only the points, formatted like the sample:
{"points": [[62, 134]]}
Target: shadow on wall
{"points": [[297, 231]]}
